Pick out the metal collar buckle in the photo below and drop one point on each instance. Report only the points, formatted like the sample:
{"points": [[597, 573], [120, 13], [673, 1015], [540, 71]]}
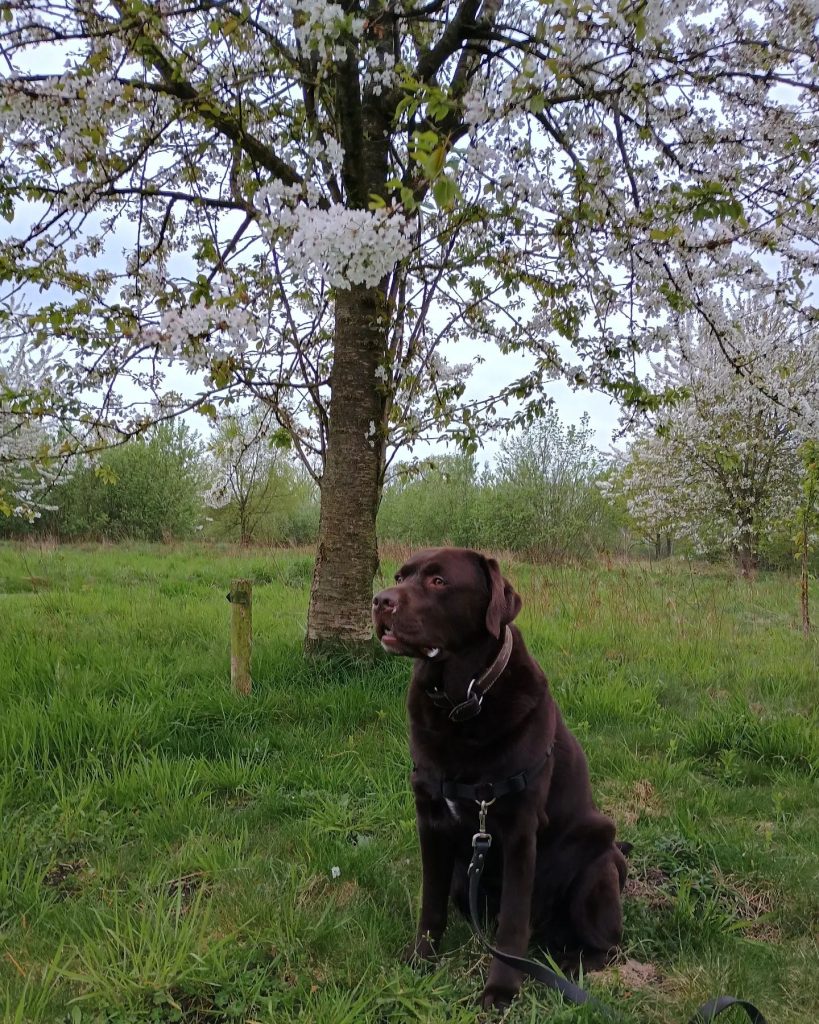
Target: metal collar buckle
{"points": [[469, 708]]}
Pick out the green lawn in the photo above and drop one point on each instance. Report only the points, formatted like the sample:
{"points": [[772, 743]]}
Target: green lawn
{"points": [[168, 850]]}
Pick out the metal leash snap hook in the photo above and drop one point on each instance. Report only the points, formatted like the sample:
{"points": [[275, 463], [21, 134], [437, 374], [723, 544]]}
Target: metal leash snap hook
{"points": [[484, 807], [482, 837]]}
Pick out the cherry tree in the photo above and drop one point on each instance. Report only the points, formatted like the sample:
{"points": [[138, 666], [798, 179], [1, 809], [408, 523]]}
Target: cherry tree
{"points": [[243, 454], [300, 201], [723, 465], [648, 478], [24, 478]]}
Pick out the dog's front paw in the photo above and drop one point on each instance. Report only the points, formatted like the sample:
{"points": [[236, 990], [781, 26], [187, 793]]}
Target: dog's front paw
{"points": [[502, 985], [497, 997], [422, 950]]}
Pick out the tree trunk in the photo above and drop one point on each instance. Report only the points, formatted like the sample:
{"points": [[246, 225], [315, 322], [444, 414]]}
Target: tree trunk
{"points": [[804, 577], [245, 535], [747, 560], [668, 546], [347, 557]]}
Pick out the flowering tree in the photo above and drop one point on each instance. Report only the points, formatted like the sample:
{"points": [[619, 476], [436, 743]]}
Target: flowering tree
{"points": [[243, 454], [24, 479], [723, 466], [647, 478], [300, 199], [807, 523]]}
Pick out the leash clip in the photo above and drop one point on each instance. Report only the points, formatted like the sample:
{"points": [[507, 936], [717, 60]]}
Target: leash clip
{"points": [[482, 840], [484, 807]]}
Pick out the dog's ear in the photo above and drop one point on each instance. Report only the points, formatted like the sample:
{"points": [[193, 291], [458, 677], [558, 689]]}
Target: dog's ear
{"points": [[504, 600]]}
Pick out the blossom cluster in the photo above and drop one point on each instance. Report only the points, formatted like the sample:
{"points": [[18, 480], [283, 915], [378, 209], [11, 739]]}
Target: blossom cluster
{"points": [[319, 26], [347, 246]]}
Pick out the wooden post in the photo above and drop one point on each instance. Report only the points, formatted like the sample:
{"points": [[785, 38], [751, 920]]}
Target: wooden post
{"points": [[241, 635]]}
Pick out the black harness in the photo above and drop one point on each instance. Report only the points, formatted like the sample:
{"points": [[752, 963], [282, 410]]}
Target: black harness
{"points": [[488, 792]]}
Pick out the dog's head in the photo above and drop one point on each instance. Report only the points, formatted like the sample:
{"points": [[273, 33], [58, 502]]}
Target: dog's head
{"points": [[444, 599]]}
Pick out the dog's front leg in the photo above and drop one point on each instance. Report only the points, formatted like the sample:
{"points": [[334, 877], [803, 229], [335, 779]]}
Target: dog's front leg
{"points": [[437, 862], [512, 936]]}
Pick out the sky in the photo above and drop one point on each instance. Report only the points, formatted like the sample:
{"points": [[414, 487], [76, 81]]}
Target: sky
{"points": [[570, 404]]}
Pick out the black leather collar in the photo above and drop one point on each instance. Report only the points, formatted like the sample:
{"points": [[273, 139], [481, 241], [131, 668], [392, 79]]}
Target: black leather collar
{"points": [[478, 688]]}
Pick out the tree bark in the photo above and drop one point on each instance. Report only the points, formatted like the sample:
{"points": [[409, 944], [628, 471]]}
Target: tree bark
{"points": [[347, 556], [804, 580], [748, 560]]}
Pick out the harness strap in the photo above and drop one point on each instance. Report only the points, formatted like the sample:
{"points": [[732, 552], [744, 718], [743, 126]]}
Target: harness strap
{"points": [[572, 993], [482, 792]]}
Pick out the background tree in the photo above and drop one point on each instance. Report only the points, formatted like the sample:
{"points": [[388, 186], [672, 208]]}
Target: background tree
{"points": [[243, 454], [724, 466], [539, 497], [149, 488], [26, 471], [545, 494], [530, 174], [260, 493], [643, 479], [807, 520], [436, 502]]}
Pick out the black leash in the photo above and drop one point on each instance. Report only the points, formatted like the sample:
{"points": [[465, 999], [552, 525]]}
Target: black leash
{"points": [[572, 993]]}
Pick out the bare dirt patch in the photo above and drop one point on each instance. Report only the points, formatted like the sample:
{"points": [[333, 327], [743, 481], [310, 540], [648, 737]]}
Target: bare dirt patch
{"points": [[630, 975], [640, 801], [649, 886], [65, 877], [752, 902], [319, 889]]}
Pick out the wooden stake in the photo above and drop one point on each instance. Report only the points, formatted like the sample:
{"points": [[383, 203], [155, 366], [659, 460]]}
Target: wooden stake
{"points": [[241, 635]]}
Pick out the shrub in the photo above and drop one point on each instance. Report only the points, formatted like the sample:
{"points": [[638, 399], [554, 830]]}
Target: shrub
{"points": [[146, 489]]}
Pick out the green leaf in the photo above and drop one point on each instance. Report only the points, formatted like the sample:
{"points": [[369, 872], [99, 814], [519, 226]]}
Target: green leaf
{"points": [[537, 103], [408, 199], [663, 234], [445, 191]]}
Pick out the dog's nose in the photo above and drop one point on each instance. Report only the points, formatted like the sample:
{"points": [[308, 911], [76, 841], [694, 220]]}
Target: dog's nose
{"points": [[385, 601]]}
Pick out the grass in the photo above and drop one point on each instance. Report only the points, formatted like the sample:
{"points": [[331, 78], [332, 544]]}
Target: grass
{"points": [[168, 851]]}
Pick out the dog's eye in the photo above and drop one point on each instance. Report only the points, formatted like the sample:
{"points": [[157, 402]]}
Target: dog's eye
{"points": [[438, 581], [398, 577]]}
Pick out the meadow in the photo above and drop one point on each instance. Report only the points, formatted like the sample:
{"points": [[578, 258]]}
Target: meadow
{"points": [[172, 852]]}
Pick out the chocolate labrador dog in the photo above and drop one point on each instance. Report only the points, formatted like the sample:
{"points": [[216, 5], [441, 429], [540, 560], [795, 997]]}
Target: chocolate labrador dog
{"points": [[485, 731]]}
